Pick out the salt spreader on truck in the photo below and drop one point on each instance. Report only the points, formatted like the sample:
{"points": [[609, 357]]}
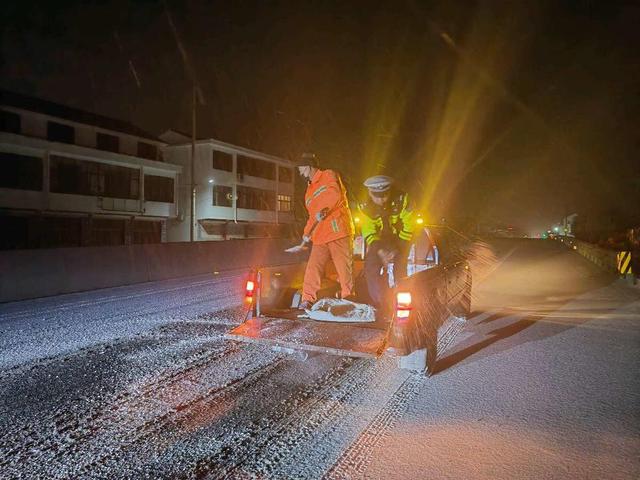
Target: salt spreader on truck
{"points": [[427, 310]]}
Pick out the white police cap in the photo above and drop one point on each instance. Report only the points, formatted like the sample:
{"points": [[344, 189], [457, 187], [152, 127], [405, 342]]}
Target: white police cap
{"points": [[378, 183]]}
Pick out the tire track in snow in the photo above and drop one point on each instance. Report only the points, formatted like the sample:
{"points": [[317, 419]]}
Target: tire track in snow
{"points": [[305, 442], [153, 426], [83, 440], [278, 429], [354, 461], [221, 431], [11, 442], [66, 419], [44, 431]]}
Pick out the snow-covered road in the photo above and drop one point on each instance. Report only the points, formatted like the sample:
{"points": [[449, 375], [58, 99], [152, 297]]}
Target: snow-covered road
{"points": [[138, 382]]}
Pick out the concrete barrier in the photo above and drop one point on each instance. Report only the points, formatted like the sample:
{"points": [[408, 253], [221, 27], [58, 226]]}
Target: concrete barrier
{"points": [[28, 274], [605, 259]]}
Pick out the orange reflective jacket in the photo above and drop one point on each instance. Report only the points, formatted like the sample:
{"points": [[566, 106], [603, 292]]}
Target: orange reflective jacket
{"points": [[327, 192]]}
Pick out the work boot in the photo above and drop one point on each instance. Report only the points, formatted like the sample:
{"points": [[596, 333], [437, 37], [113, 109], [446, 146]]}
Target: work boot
{"points": [[306, 305]]}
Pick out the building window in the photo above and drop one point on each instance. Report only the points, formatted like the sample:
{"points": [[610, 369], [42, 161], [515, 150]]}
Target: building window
{"points": [[222, 161], [15, 232], [21, 172], [147, 150], [81, 177], [256, 198], [57, 132], [20, 232], [9, 122], [56, 232], [158, 189], [222, 196], [106, 232], [256, 168], [285, 174], [284, 203], [110, 143], [145, 231]]}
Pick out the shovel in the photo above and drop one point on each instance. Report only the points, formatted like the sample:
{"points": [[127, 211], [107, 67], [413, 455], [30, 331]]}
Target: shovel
{"points": [[305, 245], [297, 248]]}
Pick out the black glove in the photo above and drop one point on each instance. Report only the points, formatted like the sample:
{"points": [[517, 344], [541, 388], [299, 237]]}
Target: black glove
{"points": [[322, 214]]}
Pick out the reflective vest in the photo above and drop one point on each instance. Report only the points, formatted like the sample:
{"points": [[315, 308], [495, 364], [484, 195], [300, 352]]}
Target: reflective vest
{"points": [[394, 220], [326, 191]]}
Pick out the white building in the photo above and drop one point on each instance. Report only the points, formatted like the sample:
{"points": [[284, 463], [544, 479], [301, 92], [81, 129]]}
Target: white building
{"points": [[72, 178], [568, 225], [239, 193]]}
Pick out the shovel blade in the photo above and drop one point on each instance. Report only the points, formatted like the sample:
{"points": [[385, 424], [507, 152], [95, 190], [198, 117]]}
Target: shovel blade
{"points": [[296, 249]]}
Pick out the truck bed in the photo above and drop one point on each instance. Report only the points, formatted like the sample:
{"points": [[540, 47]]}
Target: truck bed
{"points": [[439, 300]]}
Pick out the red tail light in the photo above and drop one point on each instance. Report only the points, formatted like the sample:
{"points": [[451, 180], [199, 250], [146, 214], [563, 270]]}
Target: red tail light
{"points": [[403, 306], [249, 290]]}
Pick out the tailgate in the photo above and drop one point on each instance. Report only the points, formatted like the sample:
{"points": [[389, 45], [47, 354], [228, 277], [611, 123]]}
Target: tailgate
{"points": [[336, 339]]}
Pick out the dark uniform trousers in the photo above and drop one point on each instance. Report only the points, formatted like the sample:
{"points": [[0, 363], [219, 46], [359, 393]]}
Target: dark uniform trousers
{"points": [[378, 285]]}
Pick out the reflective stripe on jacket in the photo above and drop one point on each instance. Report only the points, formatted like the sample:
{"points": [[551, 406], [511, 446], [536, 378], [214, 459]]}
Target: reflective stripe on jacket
{"points": [[326, 191], [395, 220]]}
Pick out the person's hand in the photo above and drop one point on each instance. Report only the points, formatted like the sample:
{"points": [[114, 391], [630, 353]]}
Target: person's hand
{"points": [[322, 214], [386, 256]]}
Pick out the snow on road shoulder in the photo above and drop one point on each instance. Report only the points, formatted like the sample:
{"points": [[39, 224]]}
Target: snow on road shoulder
{"points": [[557, 399]]}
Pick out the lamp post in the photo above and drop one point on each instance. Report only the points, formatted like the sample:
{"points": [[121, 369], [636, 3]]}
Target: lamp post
{"points": [[193, 165]]}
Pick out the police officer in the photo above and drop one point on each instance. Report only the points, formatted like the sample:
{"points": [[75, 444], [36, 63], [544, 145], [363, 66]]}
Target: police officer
{"points": [[387, 223]]}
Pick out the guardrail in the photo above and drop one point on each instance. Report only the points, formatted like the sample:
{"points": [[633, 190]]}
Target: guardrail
{"points": [[610, 260]]}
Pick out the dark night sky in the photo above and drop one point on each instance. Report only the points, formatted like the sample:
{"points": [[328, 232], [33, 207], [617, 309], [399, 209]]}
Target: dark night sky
{"points": [[518, 114]]}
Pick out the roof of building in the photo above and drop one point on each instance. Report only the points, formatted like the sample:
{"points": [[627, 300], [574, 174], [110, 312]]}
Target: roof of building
{"points": [[38, 105], [224, 146], [173, 137]]}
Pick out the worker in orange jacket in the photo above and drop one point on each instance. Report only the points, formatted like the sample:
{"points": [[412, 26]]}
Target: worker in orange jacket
{"points": [[329, 227]]}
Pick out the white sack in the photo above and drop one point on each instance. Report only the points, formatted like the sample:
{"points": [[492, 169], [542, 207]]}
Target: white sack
{"points": [[339, 310]]}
